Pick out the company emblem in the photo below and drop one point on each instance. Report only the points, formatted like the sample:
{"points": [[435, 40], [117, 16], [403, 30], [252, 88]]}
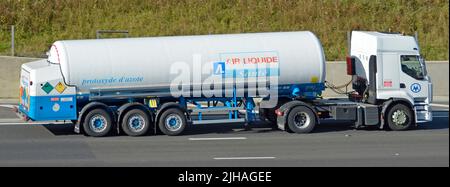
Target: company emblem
{"points": [[56, 107], [219, 68], [415, 88]]}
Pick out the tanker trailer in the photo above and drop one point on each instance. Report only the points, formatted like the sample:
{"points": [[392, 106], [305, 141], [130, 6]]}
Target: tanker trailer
{"points": [[136, 85]]}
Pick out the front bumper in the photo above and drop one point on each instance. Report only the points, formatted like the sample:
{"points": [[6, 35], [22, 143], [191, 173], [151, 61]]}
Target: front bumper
{"points": [[423, 114]]}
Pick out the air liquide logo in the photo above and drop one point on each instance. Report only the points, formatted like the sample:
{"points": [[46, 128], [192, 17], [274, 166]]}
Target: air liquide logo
{"points": [[219, 68], [415, 88], [231, 75]]}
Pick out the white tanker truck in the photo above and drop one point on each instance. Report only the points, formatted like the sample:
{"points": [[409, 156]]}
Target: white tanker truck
{"points": [[142, 85]]}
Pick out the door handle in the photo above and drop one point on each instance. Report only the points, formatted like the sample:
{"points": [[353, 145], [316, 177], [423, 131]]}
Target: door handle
{"points": [[402, 85]]}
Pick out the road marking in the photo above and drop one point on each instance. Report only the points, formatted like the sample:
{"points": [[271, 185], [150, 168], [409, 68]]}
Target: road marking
{"points": [[8, 106], [432, 104], [224, 138], [32, 123], [439, 105], [243, 158], [12, 120]]}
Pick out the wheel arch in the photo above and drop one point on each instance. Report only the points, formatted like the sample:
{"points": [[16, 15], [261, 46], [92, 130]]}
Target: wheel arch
{"points": [[166, 106], [122, 110], [89, 107], [388, 104], [287, 107]]}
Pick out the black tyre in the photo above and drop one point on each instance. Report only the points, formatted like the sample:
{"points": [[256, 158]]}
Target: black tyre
{"points": [[97, 123], [135, 122], [271, 116], [400, 117], [268, 114], [301, 120], [172, 122]]}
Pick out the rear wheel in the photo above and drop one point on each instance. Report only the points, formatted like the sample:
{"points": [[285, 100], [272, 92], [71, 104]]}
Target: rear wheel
{"points": [[399, 117], [135, 122], [172, 122], [301, 120], [97, 123]]}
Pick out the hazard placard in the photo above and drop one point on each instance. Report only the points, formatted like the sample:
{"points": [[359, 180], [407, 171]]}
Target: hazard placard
{"points": [[60, 87], [47, 87]]}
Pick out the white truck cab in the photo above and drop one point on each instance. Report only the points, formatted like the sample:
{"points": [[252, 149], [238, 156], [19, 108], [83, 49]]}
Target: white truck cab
{"points": [[391, 67]]}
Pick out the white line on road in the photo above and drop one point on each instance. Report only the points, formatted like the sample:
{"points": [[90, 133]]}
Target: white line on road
{"points": [[432, 104], [224, 138], [12, 120], [243, 158], [439, 105], [7, 106], [32, 123]]}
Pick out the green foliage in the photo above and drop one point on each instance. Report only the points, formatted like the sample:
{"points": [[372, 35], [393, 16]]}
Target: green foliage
{"points": [[41, 22]]}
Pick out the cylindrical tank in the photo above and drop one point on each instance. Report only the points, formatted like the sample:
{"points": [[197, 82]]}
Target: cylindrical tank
{"points": [[295, 57]]}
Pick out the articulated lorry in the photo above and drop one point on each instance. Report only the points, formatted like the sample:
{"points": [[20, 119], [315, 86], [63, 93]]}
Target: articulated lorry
{"points": [[162, 84]]}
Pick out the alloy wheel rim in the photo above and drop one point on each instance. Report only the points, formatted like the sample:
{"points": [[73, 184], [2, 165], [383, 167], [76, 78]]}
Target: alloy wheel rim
{"points": [[98, 123], [136, 123], [173, 122], [301, 119], [399, 117]]}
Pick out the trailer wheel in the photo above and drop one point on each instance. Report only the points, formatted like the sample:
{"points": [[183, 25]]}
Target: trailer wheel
{"points": [[301, 120], [399, 117], [97, 123], [135, 122], [172, 122]]}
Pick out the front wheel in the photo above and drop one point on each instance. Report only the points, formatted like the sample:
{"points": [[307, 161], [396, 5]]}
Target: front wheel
{"points": [[172, 122], [399, 117], [301, 120]]}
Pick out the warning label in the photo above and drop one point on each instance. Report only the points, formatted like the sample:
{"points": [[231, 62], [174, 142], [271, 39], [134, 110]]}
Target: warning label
{"points": [[47, 87], [60, 87]]}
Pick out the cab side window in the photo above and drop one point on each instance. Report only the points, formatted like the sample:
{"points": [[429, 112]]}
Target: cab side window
{"points": [[411, 66]]}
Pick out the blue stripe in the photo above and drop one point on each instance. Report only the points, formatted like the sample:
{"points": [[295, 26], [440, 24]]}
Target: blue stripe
{"points": [[63, 107], [245, 73]]}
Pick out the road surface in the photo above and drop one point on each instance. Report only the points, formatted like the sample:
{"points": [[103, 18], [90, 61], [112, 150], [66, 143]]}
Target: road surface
{"points": [[226, 145]]}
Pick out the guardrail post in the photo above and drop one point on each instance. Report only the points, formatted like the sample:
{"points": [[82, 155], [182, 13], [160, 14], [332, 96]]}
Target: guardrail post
{"points": [[12, 40]]}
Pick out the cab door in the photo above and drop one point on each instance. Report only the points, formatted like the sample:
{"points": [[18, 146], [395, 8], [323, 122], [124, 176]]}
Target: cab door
{"points": [[413, 76], [389, 77]]}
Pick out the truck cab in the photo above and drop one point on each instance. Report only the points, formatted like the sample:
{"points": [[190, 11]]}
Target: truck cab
{"points": [[390, 69], [391, 88]]}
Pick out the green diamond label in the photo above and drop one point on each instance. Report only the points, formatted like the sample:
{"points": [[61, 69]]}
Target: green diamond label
{"points": [[47, 87]]}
